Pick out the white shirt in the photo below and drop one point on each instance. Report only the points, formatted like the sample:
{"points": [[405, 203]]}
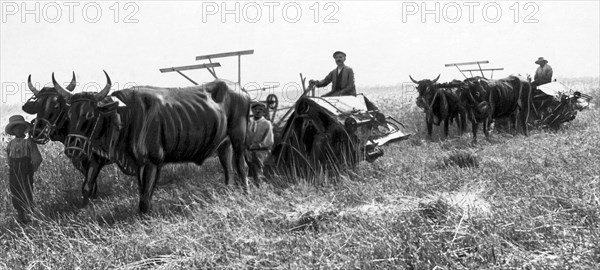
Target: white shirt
{"points": [[259, 134]]}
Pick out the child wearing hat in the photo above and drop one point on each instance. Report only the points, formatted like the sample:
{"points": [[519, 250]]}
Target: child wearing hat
{"points": [[259, 138], [24, 159]]}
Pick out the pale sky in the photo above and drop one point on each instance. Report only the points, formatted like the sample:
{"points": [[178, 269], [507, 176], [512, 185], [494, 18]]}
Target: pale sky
{"points": [[385, 40]]}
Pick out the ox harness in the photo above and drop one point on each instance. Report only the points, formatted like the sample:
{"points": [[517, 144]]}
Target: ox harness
{"points": [[429, 106], [82, 144], [48, 127], [76, 144]]}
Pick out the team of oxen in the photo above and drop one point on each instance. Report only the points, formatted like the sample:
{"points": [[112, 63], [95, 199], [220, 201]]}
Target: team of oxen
{"points": [[142, 128], [480, 100]]}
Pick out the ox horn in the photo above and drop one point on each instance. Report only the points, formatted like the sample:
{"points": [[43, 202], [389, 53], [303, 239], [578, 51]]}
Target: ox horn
{"points": [[435, 80], [411, 78], [59, 88], [102, 94], [73, 83], [31, 87]]}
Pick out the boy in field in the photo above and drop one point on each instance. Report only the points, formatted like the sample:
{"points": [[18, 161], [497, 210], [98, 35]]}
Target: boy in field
{"points": [[259, 138], [24, 159]]}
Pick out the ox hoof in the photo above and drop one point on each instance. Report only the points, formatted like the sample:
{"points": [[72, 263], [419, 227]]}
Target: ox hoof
{"points": [[144, 208], [258, 180], [83, 203]]}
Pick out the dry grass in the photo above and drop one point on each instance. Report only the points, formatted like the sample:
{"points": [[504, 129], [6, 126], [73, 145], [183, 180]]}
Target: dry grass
{"points": [[530, 202]]}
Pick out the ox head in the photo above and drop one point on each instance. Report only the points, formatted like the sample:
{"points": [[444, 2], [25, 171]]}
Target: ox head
{"points": [[474, 94], [426, 89], [50, 107], [84, 117]]}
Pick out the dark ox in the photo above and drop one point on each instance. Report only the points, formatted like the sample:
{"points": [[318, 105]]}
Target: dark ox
{"points": [[487, 100], [160, 125], [51, 123], [440, 104]]}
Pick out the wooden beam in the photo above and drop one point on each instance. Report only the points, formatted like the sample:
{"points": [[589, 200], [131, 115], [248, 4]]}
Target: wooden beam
{"points": [[227, 54], [262, 89], [189, 79], [482, 75], [212, 69], [484, 69], [467, 63], [461, 72], [173, 69]]}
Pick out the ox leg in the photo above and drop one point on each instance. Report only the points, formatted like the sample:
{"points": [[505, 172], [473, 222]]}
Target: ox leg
{"points": [[237, 135], [147, 178], [474, 127], [429, 129], [525, 104], [462, 122], [89, 189], [446, 128], [486, 132], [524, 127], [522, 119], [225, 153], [459, 125], [514, 125]]}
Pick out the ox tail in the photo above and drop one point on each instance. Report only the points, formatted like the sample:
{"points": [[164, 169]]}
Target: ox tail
{"points": [[527, 100], [444, 110], [149, 112]]}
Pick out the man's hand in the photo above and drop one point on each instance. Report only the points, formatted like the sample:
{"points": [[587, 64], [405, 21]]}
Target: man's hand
{"points": [[312, 82]]}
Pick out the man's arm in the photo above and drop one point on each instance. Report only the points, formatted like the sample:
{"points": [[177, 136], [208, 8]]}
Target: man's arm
{"points": [[325, 81], [267, 138], [549, 73], [8, 150], [350, 89], [36, 156]]}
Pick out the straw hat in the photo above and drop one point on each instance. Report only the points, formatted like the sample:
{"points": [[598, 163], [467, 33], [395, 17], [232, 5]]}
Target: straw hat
{"points": [[540, 60], [14, 121]]}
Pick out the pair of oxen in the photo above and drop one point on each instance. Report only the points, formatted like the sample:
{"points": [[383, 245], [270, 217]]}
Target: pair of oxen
{"points": [[477, 99], [142, 128]]}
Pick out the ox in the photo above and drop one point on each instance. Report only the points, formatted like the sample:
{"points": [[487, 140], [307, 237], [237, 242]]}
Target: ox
{"points": [[161, 125], [51, 123], [440, 104], [494, 99]]}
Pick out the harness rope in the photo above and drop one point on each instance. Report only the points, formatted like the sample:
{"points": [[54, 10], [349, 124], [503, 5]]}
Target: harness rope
{"points": [[86, 147], [429, 106], [48, 127]]}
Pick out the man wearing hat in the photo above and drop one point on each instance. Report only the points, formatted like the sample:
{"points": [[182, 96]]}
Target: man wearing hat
{"points": [[543, 74], [342, 81], [341, 78], [259, 138], [24, 159]]}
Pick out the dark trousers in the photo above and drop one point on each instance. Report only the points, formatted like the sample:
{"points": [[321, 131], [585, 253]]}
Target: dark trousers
{"points": [[256, 161], [21, 185]]}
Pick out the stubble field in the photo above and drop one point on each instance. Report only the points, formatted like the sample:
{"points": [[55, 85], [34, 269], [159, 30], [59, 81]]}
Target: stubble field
{"points": [[516, 202]]}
